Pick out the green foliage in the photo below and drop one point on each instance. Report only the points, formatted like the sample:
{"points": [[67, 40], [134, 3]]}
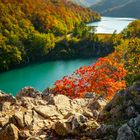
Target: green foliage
{"points": [[131, 58], [127, 50], [9, 55], [81, 31], [28, 28], [133, 30], [38, 45]]}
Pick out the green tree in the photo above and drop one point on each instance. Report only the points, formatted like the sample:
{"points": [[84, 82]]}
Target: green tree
{"points": [[9, 55], [81, 31], [39, 45]]}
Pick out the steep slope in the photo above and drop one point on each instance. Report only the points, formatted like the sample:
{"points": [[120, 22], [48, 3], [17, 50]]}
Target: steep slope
{"points": [[119, 8], [28, 28]]}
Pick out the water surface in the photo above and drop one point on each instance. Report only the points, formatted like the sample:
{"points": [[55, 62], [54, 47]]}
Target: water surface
{"points": [[108, 25], [40, 76]]}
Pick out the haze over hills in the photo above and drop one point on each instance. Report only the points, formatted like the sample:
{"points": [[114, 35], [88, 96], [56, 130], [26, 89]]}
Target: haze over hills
{"points": [[118, 8], [86, 3]]}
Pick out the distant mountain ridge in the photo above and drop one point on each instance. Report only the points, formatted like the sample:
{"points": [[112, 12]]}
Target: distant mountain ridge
{"points": [[118, 8]]}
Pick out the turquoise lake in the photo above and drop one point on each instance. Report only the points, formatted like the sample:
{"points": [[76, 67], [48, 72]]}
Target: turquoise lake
{"points": [[43, 75], [39, 76]]}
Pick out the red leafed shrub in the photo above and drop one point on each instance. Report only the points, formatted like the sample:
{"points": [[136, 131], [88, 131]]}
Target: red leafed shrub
{"points": [[105, 77]]}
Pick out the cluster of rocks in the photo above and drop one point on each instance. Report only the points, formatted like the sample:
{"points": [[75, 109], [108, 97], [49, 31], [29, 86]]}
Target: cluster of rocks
{"points": [[33, 115], [121, 116]]}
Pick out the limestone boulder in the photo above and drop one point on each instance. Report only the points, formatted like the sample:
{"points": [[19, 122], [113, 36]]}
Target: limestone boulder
{"points": [[29, 92], [98, 104], [49, 111], [28, 118], [9, 132], [62, 103], [24, 134], [77, 122], [5, 101], [19, 117], [29, 103], [7, 98], [62, 128], [4, 121]]}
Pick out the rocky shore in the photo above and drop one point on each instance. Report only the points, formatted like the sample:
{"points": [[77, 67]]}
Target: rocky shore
{"points": [[33, 115]]}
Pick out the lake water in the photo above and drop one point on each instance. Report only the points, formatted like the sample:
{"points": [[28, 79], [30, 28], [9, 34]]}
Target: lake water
{"points": [[40, 76], [108, 25], [43, 75]]}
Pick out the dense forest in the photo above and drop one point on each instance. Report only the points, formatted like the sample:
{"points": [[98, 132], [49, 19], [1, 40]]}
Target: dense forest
{"points": [[110, 74], [37, 31], [29, 30], [99, 101]]}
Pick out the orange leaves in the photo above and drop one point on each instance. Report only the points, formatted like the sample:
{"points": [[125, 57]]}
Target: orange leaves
{"points": [[105, 77]]}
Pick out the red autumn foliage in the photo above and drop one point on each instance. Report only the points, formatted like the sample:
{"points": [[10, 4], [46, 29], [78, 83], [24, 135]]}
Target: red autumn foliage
{"points": [[105, 77]]}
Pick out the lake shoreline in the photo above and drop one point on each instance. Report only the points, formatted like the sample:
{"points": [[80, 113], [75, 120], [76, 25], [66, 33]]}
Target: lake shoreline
{"points": [[56, 65], [39, 75]]}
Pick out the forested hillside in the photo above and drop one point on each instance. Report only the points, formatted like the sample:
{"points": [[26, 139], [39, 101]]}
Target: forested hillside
{"points": [[110, 74], [118, 8], [28, 28]]}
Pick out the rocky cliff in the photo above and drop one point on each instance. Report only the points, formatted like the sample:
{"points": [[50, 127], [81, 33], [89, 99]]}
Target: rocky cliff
{"points": [[33, 115]]}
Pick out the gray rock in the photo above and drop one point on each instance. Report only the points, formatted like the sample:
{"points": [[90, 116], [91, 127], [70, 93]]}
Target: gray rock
{"points": [[134, 122], [76, 125], [130, 111], [135, 87], [90, 95], [128, 103], [116, 112], [95, 114], [125, 133], [117, 100], [137, 100], [104, 131], [77, 121], [99, 104]]}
